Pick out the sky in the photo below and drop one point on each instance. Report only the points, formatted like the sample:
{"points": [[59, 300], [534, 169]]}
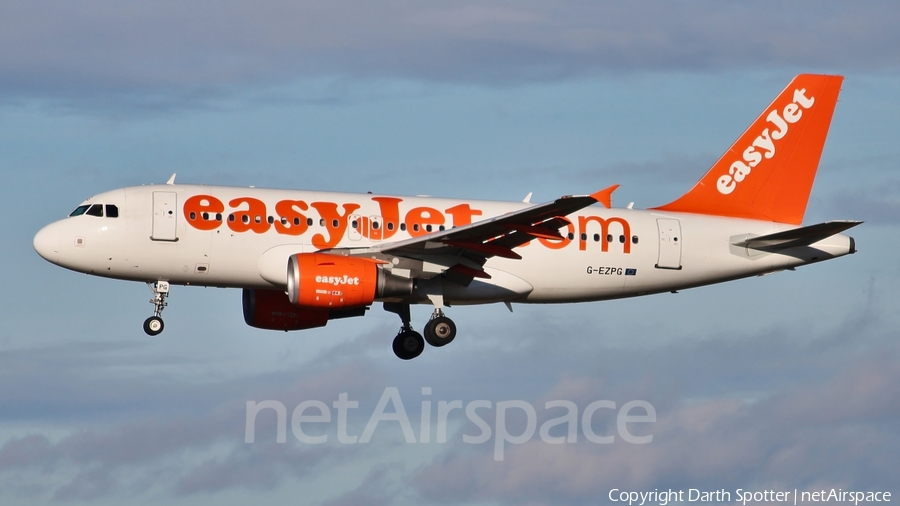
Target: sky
{"points": [[782, 382]]}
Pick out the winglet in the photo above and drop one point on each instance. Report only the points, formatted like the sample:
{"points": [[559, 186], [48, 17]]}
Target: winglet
{"points": [[605, 196], [171, 179]]}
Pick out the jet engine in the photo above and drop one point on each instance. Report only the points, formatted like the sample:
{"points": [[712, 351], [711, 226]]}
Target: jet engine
{"points": [[271, 310], [324, 281]]}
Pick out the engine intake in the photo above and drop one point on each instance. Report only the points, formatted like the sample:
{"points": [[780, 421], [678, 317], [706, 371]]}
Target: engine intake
{"points": [[321, 280]]}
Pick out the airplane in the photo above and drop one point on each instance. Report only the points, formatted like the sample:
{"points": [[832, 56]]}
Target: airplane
{"points": [[303, 258]]}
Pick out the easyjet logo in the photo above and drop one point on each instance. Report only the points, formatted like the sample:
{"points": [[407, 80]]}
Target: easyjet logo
{"points": [[332, 221], [337, 280], [765, 143], [295, 217]]}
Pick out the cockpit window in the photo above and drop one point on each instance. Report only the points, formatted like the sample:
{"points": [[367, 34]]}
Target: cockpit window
{"points": [[95, 210], [112, 211], [79, 210]]}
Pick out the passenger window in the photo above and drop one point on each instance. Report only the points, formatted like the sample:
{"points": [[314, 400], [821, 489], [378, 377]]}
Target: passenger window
{"points": [[79, 210], [608, 237], [596, 237], [390, 225], [622, 239], [403, 227], [112, 211], [309, 222], [95, 210], [634, 239]]}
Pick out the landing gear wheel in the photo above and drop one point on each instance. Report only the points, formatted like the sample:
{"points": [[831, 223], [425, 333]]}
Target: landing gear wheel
{"points": [[153, 325], [440, 331], [408, 345]]}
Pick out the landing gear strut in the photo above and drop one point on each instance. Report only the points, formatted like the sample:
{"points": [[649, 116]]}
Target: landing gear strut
{"points": [[408, 344], [440, 330], [154, 325]]}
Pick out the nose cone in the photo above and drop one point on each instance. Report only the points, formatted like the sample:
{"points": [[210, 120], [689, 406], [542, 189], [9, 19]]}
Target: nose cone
{"points": [[46, 243]]}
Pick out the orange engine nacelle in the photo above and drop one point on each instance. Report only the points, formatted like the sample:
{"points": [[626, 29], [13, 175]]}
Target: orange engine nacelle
{"points": [[324, 281], [271, 310]]}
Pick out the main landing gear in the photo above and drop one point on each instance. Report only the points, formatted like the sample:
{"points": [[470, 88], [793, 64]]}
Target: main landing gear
{"points": [[440, 330], [409, 344], [154, 325]]}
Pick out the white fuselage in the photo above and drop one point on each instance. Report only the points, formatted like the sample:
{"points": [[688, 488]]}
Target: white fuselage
{"points": [[607, 253]]}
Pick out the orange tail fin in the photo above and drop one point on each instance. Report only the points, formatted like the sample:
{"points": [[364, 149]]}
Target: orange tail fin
{"points": [[768, 173]]}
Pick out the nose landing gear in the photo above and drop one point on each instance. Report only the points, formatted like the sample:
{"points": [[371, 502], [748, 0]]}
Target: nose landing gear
{"points": [[154, 325]]}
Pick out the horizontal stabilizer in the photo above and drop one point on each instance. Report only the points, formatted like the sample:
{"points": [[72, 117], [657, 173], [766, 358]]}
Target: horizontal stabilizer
{"points": [[803, 236]]}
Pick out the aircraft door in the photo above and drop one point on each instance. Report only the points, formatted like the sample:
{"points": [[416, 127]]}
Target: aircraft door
{"points": [[669, 244], [165, 216]]}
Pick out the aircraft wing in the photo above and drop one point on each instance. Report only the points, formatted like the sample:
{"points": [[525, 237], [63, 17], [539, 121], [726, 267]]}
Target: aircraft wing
{"points": [[464, 250]]}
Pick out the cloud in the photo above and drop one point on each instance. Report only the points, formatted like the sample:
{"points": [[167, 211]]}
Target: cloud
{"points": [[837, 432], [378, 489], [116, 433], [877, 203], [170, 52], [770, 407]]}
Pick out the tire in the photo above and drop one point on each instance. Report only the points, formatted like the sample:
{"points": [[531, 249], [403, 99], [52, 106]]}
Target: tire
{"points": [[440, 331], [408, 345], [153, 326]]}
